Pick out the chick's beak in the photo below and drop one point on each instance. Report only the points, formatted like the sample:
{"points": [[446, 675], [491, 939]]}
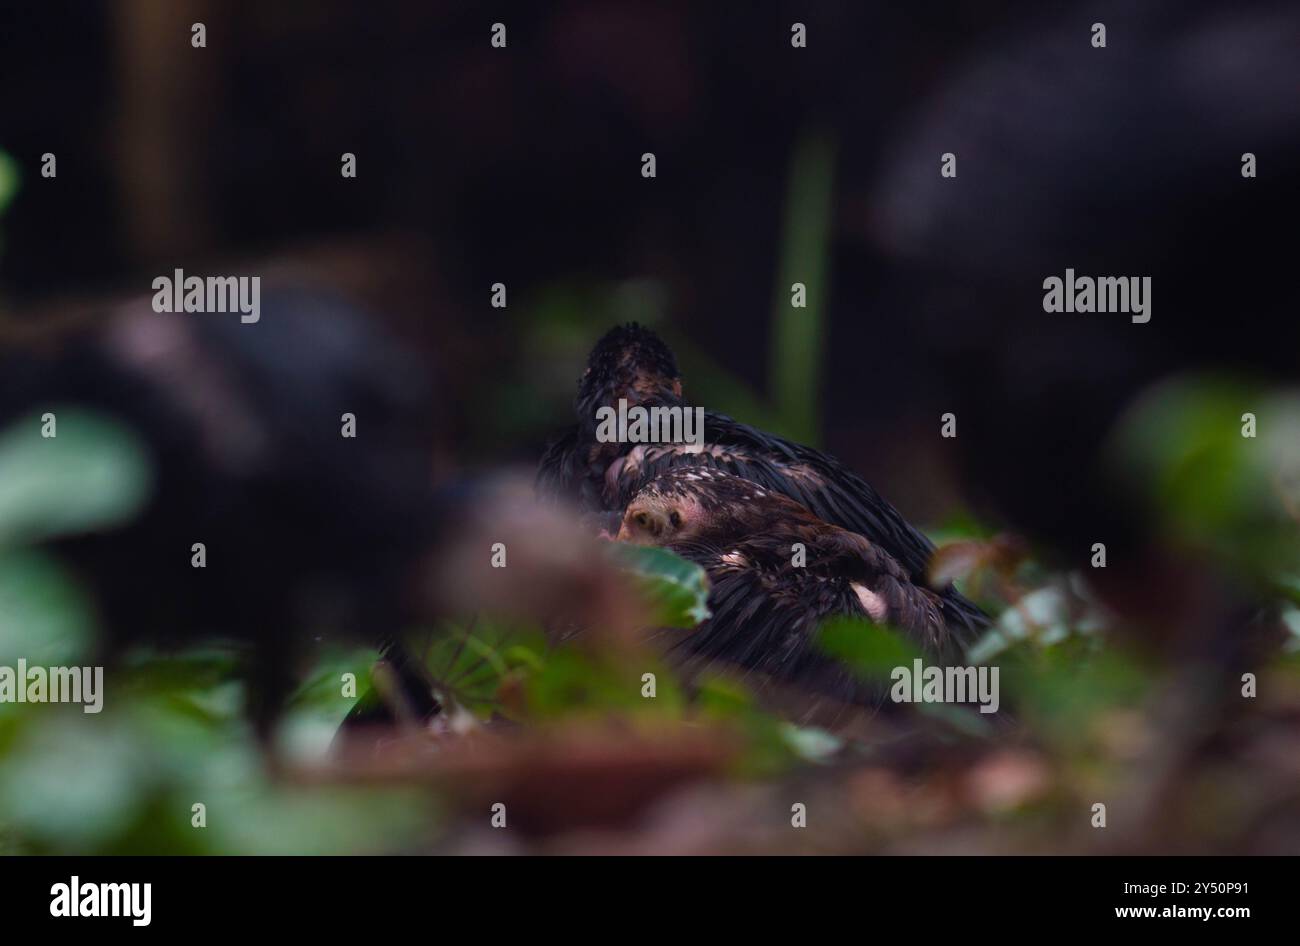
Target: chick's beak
{"points": [[642, 526]]}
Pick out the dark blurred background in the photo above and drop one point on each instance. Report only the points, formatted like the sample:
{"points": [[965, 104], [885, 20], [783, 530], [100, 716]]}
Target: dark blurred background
{"points": [[478, 165]]}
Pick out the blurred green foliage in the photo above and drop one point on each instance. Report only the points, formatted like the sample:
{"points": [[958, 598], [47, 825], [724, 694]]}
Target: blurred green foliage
{"points": [[1182, 449], [44, 616], [470, 664], [10, 178], [10, 181], [798, 333], [676, 591], [172, 735], [870, 650], [93, 474]]}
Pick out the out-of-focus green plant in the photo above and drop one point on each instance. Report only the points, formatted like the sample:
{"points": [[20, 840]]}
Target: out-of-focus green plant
{"points": [[471, 664], [1062, 689], [771, 744], [798, 333], [483, 665], [580, 682], [172, 736], [44, 616], [1182, 448], [870, 650], [10, 181], [171, 733], [1058, 610], [94, 473], [676, 591]]}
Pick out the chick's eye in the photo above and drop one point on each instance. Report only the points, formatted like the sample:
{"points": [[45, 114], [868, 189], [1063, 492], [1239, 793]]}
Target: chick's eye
{"points": [[675, 518], [641, 519]]}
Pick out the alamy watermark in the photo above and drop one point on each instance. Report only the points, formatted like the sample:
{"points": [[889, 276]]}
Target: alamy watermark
{"points": [[1103, 294], [95, 900], [639, 424], [24, 684], [921, 684], [181, 293]]}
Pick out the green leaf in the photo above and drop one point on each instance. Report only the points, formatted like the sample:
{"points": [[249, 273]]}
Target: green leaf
{"points": [[44, 617], [72, 782], [676, 590], [93, 474], [573, 682], [469, 664], [870, 650]]}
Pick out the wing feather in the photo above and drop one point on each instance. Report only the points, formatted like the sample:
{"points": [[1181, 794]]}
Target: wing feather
{"points": [[828, 489]]}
